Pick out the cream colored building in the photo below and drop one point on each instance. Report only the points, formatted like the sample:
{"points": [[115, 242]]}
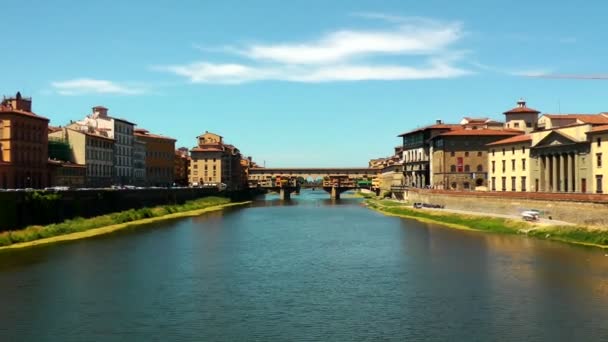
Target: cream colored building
{"points": [[598, 139], [509, 167], [93, 150]]}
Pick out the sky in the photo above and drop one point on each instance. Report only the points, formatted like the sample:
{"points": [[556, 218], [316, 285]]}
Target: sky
{"points": [[303, 83]]}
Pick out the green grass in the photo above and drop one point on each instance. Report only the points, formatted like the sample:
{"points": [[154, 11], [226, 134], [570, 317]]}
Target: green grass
{"points": [[570, 234], [80, 224]]}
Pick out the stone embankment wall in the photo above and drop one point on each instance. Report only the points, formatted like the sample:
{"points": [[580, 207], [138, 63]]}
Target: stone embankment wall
{"points": [[575, 208], [21, 209]]}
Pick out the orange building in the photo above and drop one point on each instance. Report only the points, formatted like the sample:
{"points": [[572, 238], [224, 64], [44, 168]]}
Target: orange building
{"points": [[23, 145], [160, 157]]}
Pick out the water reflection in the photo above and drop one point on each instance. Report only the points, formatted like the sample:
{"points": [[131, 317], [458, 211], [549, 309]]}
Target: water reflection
{"points": [[305, 269]]}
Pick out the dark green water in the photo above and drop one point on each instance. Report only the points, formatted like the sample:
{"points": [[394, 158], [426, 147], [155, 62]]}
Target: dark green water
{"points": [[310, 270]]}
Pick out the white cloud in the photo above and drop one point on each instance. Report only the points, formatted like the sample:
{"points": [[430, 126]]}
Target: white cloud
{"points": [[82, 86], [343, 45], [342, 55]]}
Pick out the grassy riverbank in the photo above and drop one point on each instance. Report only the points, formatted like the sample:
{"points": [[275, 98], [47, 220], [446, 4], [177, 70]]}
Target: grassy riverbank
{"points": [[571, 234], [79, 228]]}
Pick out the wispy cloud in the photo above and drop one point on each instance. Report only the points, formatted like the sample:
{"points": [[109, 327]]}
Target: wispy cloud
{"points": [[342, 55], [525, 72], [84, 86]]}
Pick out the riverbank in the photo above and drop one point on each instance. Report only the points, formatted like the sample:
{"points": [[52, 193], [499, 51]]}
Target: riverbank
{"points": [[80, 228], [580, 235]]}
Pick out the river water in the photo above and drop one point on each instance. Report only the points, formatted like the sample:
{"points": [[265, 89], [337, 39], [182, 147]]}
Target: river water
{"points": [[311, 269]]}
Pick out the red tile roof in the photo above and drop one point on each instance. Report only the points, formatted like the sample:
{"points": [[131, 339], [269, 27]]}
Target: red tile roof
{"points": [[429, 127], [586, 118], [512, 140], [523, 109], [206, 149], [478, 132], [598, 129], [10, 110], [144, 133]]}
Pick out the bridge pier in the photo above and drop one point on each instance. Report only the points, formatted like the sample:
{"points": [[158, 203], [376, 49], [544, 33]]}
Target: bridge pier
{"points": [[285, 194], [335, 191]]}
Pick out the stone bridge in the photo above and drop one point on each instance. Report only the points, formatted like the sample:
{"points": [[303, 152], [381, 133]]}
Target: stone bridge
{"points": [[287, 180]]}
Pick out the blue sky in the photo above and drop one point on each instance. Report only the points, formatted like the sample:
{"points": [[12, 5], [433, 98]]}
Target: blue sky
{"points": [[302, 83]]}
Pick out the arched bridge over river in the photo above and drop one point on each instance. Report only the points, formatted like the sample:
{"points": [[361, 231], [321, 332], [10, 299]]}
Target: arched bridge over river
{"points": [[288, 180]]}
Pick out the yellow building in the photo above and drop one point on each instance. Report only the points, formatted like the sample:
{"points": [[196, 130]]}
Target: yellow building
{"points": [[509, 166], [598, 139], [214, 163]]}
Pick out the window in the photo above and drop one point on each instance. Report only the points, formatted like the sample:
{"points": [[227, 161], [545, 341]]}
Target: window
{"points": [[493, 166], [516, 125], [523, 183], [503, 151], [598, 184], [479, 168], [493, 183], [466, 154], [467, 168], [493, 152], [452, 154], [528, 124], [479, 153], [452, 168], [466, 185], [523, 149], [512, 164], [599, 159], [513, 180], [459, 164], [513, 150], [523, 164], [504, 167], [599, 142], [504, 184]]}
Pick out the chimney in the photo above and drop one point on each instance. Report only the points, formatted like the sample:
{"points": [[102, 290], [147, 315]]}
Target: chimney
{"points": [[438, 122], [521, 103]]}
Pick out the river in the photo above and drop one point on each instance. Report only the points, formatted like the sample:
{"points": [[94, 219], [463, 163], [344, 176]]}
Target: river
{"points": [[311, 269]]}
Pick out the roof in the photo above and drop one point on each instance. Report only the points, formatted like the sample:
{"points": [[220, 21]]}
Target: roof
{"points": [[586, 118], [429, 127], [206, 149], [512, 140], [99, 107], [598, 129], [478, 132], [124, 120], [10, 110], [54, 129], [477, 120], [144, 133], [91, 134], [522, 109]]}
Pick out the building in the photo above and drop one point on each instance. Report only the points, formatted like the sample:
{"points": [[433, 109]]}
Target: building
{"points": [[561, 153], [23, 145], [214, 163], [139, 162], [91, 148], [160, 155], [67, 174], [459, 157], [122, 131], [416, 153], [181, 165], [509, 165]]}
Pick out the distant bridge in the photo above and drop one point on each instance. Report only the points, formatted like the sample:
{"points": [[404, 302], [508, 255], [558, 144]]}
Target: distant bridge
{"points": [[288, 180]]}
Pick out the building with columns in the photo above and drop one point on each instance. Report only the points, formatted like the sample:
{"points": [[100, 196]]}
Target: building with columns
{"points": [[560, 153]]}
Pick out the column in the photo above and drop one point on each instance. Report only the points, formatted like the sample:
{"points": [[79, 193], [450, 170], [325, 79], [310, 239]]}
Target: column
{"points": [[573, 175], [567, 173], [560, 173], [554, 173]]}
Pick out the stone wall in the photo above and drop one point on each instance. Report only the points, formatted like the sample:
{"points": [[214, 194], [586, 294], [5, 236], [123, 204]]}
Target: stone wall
{"points": [[579, 209], [21, 209]]}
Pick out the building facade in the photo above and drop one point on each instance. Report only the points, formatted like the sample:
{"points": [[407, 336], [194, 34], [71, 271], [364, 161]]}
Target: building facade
{"points": [[460, 157], [416, 153], [181, 165], [67, 174], [213, 163], [510, 166], [122, 131], [23, 145], [92, 149], [160, 154], [139, 162]]}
